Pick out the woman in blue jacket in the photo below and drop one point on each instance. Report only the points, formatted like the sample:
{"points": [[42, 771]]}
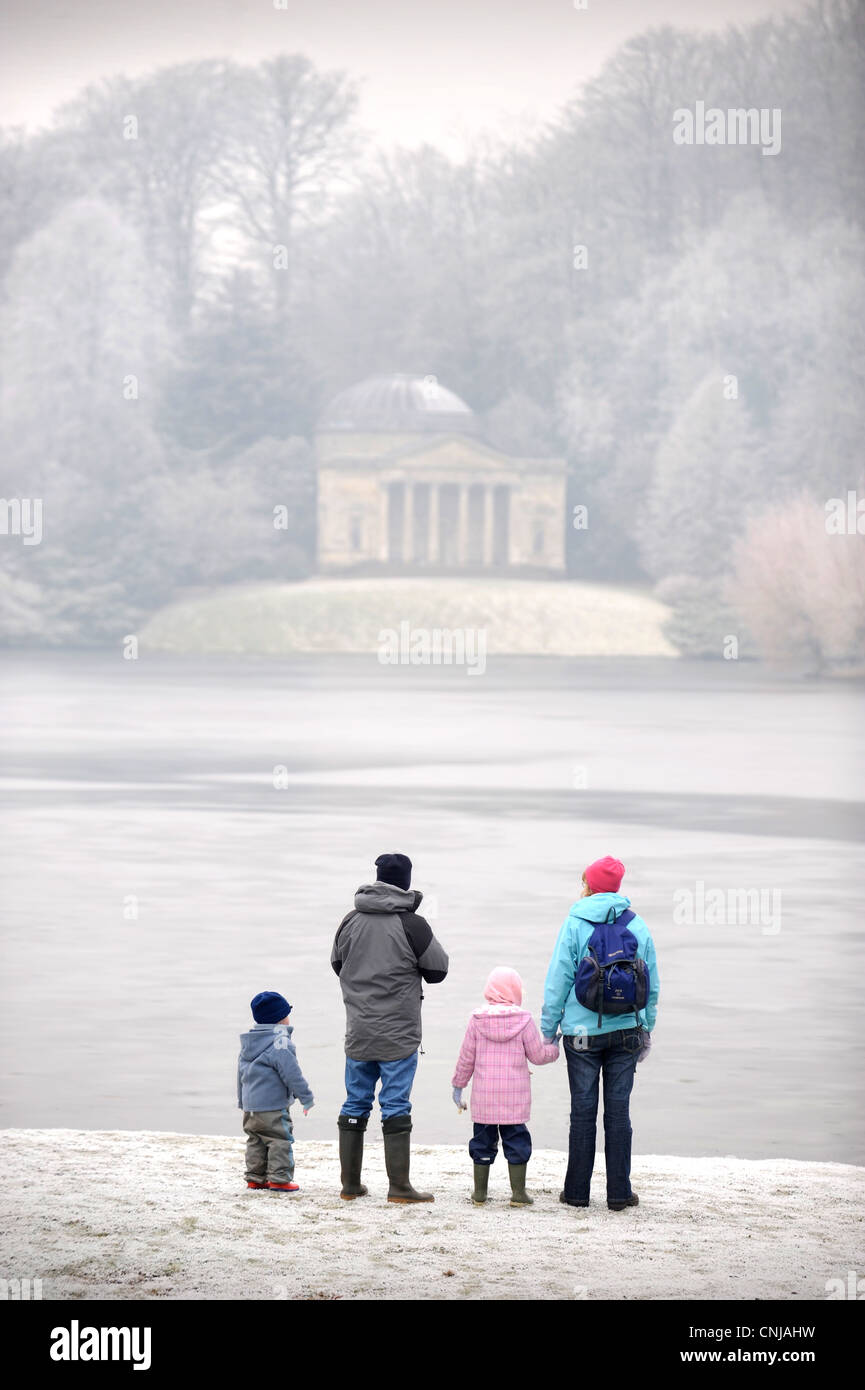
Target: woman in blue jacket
{"points": [[609, 1046]]}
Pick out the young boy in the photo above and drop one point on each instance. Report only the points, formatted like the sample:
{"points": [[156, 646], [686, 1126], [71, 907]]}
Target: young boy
{"points": [[268, 1080]]}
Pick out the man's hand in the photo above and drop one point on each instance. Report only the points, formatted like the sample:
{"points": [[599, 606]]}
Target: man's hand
{"points": [[457, 1094]]}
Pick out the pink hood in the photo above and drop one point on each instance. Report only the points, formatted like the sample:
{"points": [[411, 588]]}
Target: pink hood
{"points": [[501, 1022]]}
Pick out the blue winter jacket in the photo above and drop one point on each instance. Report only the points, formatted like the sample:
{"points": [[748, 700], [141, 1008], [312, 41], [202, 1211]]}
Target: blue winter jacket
{"points": [[268, 1074], [561, 1009]]}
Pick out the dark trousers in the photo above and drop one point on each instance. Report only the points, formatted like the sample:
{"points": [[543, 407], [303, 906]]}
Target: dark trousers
{"points": [[516, 1143], [269, 1145], [613, 1055]]}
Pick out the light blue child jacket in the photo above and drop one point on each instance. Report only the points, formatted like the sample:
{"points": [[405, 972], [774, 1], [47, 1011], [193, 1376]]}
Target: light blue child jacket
{"points": [[268, 1074]]}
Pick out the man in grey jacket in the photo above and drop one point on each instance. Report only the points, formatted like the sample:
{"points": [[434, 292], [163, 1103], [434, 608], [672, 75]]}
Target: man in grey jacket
{"points": [[382, 953]]}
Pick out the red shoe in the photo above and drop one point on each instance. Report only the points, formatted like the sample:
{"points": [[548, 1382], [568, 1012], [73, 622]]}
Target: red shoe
{"points": [[256, 1185], [283, 1187]]}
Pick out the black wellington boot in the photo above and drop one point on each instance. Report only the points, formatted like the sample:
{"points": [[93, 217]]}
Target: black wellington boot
{"points": [[351, 1133], [396, 1130]]}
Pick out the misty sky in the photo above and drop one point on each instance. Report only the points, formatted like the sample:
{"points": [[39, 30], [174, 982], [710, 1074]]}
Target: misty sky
{"points": [[436, 70]]}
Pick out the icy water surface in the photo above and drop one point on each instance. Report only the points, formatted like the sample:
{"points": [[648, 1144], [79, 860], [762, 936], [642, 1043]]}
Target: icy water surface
{"points": [[157, 873]]}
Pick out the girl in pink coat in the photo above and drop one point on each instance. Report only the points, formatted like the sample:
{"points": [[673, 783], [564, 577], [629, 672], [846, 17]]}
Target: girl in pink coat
{"points": [[500, 1041]]}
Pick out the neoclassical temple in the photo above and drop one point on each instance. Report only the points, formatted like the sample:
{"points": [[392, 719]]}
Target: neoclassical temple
{"points": [[405, 482]]}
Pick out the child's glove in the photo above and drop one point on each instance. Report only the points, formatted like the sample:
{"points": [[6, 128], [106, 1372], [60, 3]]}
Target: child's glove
{"points": [[307, 1108], [457, 1094], [645, 1045]]}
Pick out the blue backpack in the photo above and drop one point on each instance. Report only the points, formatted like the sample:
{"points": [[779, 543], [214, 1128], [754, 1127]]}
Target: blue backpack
{"points": [[612, 979]]}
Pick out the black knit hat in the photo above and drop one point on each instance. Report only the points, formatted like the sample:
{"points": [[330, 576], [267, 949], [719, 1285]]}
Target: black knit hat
{"points": [[394, 869]]}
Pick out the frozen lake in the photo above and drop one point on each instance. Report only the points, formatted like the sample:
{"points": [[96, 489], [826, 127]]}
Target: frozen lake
{"points": [[148, 787]]}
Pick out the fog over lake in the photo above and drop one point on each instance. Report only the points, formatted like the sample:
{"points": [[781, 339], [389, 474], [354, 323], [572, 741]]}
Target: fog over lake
{"points": [[235, 806]]}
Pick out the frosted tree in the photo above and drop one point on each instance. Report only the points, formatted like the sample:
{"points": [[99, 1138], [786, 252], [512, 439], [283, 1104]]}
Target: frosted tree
{"points": [[289, 142], [239, 377], [79, 377], [518, 425], [817, 427], [36, 178], [800, 589], [707, 480], [243, 519], [151, 146]]}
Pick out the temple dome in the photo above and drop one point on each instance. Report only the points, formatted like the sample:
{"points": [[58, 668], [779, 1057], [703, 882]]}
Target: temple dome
{"points": [[399, 404]]}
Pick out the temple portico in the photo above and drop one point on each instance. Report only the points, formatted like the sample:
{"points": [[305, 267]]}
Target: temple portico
{"points": [[429, 497]]}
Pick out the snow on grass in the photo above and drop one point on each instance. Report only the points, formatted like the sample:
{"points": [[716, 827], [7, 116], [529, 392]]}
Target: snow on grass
{"points": [[125, 1215], [347, 615]]}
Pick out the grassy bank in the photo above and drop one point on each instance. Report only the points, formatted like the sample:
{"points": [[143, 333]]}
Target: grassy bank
{"points": [[349, 615]]}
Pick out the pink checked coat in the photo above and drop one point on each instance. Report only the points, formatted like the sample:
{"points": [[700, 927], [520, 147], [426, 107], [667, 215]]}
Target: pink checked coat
{"points": [[500, 1042]]}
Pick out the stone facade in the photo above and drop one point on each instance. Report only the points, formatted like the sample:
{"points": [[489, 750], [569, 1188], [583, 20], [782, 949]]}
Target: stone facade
{"points": [[418, 500]]}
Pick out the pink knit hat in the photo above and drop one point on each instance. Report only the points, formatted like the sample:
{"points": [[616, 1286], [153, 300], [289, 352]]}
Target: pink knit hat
{"points": [[605, 875], [504, 986]]}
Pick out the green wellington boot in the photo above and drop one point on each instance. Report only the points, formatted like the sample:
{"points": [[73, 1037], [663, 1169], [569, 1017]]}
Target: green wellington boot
{"points": [[351, 1133], [482, 1182], [396, 1131], [519, 1196]]}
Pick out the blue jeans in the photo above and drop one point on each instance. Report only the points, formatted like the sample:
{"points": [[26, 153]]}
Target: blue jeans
{"points": [[516, 1142], [587, 1056], [396, 1083]]}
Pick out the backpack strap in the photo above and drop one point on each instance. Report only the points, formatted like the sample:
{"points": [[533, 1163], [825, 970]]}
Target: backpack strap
{"points": [[628, 916]]}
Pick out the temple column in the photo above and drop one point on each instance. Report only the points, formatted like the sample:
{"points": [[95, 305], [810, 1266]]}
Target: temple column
{"points": [[408, 525], [383, 541], [489, 526], [433, 539], [463, 527]]}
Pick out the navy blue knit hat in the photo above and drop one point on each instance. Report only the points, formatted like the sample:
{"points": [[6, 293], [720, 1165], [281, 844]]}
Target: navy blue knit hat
{"points": [[268, 1007], [394, 869]]}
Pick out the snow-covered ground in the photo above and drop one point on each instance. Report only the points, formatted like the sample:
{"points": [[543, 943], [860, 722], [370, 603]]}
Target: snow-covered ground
{"points": [[143, 1215], [348, 615]]}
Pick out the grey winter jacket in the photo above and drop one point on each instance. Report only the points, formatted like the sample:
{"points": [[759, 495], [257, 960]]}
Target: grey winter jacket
{"points": [[268, 1073], [382, 952]]}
